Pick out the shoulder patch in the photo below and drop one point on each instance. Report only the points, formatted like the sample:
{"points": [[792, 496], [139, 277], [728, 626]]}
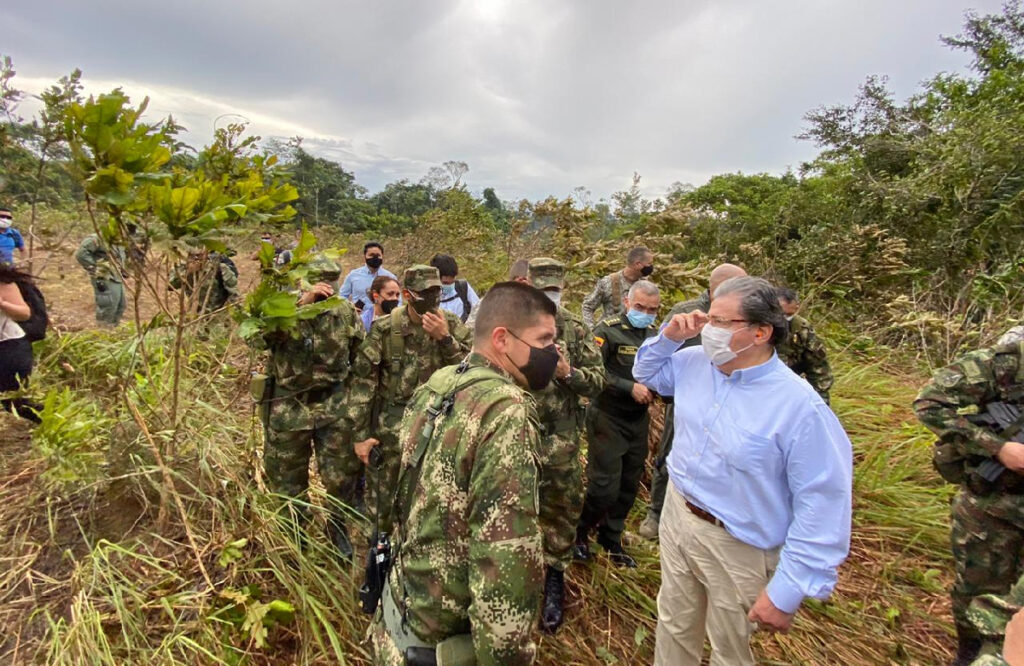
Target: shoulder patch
{"points": [[599, 340], [948, 378]]}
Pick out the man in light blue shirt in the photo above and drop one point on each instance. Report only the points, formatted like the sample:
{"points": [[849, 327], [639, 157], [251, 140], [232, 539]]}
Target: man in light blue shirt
{"points": [[10, 238], [356, 287], [457, 296], [758, 510]]}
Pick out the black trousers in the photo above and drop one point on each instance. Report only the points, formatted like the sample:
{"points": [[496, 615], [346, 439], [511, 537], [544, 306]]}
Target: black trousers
{"points": [[15, 368]]}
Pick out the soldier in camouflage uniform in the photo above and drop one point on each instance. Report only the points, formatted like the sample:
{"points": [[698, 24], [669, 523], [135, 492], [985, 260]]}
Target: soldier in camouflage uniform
{"points": [[617, 424], [104, 263], [802, 350], [659, 477], [610, 290], [1015, 334], [468, 557], [987, 516], [302, 403], [400, 352], [580, 374], [213, 275]]}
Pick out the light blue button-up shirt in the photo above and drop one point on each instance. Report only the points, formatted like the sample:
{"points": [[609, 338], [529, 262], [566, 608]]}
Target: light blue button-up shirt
{"points": [[762, 452], [357, 283]]}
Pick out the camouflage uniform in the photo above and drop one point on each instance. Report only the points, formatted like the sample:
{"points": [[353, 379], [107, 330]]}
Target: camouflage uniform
{"points": [[302, 405], [989, 614], [804, 353], [1015, 334], [562, 417], [383, 384], [616, 432], [105, 274], [468, 547], [216, 280], [987, 525], [607, 296], [659, 478]]}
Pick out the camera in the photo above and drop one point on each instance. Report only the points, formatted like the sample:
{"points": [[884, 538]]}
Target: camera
{"points": [[378, 564]]}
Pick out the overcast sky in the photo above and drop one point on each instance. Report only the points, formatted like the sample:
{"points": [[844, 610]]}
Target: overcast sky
{"points": [[538, 97]]}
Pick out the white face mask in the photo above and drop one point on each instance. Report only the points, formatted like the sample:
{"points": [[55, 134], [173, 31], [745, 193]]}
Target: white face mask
{"points": [[5, 223], [715, 341], [555, 296]]}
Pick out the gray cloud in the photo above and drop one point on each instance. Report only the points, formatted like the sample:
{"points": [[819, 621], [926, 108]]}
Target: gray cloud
{"points": [[538, 97]]}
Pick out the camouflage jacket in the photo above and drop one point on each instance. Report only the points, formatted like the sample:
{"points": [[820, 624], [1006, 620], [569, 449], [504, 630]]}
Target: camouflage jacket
{"points": [[309, 374], [966, 387], [95, 257], [559, 406], [607, 297], [468, 550], [217, 282], [376, 389], [804, 353]]}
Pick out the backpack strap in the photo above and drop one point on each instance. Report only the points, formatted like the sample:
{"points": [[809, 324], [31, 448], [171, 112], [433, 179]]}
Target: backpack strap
{"points": [[462, 289], [397, 350], [616, 279], [440, 406]]}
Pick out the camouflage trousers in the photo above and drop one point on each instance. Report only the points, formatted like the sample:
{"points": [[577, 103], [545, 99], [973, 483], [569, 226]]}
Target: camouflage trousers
{"points": [[110, 301], [560, 493], [616, 452], [286, 461], [659, 479], [987, 536], [384, 477]]}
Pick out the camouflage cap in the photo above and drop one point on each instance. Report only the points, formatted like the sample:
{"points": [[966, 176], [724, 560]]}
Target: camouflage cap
{"points": [[420, 277], [546, 272], [324, 269]]}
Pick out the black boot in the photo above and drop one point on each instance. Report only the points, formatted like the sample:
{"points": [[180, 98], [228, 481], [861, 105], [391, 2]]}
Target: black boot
{"points": [[554, 601], [616, 553], [968, 645], [581, 549], [338, 535]]}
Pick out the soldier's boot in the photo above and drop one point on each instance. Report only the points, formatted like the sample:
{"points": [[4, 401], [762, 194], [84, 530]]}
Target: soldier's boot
{"points": [[337, 532], [649, 528], [581, 549], [968, 646], [553, 611], [616, 553]]}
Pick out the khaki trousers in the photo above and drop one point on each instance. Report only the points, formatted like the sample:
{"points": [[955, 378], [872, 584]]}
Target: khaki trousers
{"points": [[709, 581]]}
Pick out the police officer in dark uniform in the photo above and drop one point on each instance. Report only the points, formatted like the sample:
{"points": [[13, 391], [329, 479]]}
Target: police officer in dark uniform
{"points": [[617, 424]]}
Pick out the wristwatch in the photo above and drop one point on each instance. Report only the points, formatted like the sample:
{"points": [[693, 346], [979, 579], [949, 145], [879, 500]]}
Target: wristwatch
{"points": [[568, 377], [447, 340]]}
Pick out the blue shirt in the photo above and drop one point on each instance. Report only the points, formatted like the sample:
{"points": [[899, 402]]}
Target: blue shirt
{"points": [[357, 283], [10, 239], [367, 316], [762, 452], [453, 303]]}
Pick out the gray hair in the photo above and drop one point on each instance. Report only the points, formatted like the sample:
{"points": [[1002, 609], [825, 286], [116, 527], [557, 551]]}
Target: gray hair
{"points": [[758, 303], [643, 287]]}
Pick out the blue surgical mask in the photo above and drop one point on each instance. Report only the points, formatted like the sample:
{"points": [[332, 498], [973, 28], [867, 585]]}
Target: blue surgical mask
{"points": [[448, 290], [639, 319]]}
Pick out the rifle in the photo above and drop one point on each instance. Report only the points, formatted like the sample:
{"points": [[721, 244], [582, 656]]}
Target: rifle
{"points": [[1004, 419]]}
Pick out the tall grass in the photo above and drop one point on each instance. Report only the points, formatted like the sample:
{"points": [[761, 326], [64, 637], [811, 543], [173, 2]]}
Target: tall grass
{"points": [[93, 572]]}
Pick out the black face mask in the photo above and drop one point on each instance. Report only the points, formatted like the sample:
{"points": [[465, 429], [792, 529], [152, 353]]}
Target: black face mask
{"points": [[374, 262], [428, 301], [387, 306], [647, 270], [540, 367]]}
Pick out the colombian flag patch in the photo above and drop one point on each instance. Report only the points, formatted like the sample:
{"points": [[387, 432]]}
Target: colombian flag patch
{"points": [[599, 341]]}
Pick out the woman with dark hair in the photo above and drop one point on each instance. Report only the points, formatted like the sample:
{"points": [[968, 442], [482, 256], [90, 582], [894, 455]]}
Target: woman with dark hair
{"points": [[385, 294], [15, 349]]}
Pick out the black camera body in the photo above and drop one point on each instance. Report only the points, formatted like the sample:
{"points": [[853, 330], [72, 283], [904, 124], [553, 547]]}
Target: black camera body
{"points": [[378, 564]]}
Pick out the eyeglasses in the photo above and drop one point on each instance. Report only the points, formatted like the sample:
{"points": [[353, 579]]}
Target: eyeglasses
{"points": [[722, 322]]}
